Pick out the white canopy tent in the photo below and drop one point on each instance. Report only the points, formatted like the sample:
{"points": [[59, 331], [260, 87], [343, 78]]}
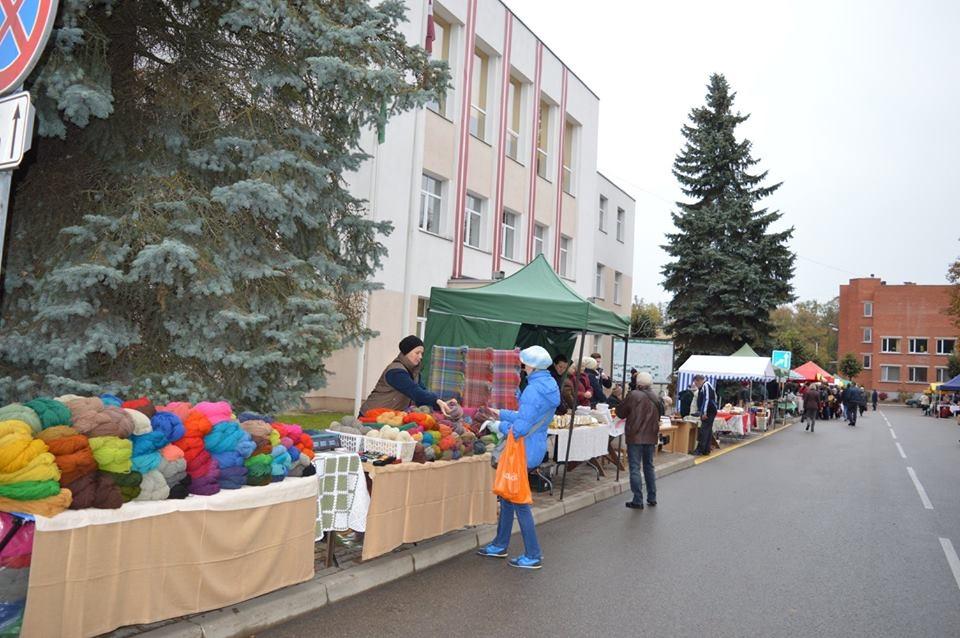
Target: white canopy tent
{"points": [[716, 368]]}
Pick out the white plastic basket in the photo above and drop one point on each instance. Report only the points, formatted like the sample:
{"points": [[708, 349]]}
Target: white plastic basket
{"points": [[351, 442], [403, 450]]}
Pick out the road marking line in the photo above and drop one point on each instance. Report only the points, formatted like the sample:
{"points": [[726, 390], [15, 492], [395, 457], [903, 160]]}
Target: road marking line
{"points": [[902, 453], [893, 434], [922, 492], [952, 558]]}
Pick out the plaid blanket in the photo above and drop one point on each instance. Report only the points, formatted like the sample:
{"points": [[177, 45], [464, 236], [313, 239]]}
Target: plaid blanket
{"points": [[338, 474], [506, 378], [479, 371], [448, 370]]}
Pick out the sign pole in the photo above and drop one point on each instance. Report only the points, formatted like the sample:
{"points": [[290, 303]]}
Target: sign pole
{"points": [[5, 177]]}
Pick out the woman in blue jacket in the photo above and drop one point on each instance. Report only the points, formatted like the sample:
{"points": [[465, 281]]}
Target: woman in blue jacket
{"points": [[538, 403]]}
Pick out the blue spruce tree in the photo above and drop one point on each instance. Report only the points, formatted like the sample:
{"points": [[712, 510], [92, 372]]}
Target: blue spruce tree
{"points": [[184, 229]]}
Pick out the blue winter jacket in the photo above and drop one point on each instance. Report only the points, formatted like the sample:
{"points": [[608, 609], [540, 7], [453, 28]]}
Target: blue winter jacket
{"points": [[538, 401]]}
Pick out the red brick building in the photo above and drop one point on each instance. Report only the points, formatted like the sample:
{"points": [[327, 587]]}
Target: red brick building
{"points": [[901, 334]]}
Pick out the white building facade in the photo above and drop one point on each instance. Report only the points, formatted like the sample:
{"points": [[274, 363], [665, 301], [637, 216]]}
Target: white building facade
{"points": [[479, 184]]}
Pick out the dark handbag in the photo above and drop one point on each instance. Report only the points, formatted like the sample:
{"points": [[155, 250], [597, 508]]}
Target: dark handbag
{"points": [[498, 450]]}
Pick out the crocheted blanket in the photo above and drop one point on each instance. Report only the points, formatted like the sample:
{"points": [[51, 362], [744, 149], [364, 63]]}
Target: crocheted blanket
{"points": [[447, 370]]}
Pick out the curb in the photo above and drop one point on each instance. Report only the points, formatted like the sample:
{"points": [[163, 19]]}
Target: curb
{"points": [[275, 608]]}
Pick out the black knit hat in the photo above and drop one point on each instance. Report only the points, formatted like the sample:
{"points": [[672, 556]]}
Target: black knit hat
{"points": [[409, 343]]}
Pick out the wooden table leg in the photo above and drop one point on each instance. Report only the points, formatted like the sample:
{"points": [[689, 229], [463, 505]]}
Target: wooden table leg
{"points": [[331, 557]]}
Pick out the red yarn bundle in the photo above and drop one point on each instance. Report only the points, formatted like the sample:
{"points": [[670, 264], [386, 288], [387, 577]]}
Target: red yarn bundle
{"points": [[143, 404]]}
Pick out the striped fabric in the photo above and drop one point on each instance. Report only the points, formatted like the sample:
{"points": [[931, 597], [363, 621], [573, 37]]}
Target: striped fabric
{"points": [[479, 373], [448, 370], [506, 378]]}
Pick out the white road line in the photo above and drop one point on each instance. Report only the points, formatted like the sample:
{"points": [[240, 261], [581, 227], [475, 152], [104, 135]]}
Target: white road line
{"points": [[951, 558], [922, 492], [902, 453], [893, 434]]}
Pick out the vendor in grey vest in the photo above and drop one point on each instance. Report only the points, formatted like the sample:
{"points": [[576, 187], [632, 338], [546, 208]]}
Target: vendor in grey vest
{"points": [[399, 385]]}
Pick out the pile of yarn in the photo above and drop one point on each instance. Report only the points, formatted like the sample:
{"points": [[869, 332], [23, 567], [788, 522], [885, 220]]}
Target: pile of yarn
{"points": [[29, 475], [230, 447], [299, 447], [438, 437], [203, 469]]}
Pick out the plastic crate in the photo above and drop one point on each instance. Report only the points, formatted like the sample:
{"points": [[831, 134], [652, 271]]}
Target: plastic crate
{"points": [[351, 442], [403, 450], [325, 441]]}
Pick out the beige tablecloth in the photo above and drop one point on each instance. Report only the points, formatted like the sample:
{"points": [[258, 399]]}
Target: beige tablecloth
{"points": [[96, 570], [411, 502]]}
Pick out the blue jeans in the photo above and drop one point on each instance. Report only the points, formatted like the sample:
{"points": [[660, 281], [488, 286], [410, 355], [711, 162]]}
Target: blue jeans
{"points": [[642, 455], [505, 526]]}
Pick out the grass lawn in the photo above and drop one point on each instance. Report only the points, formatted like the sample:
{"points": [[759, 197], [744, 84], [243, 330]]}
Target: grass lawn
{"points": [[318, 421]]}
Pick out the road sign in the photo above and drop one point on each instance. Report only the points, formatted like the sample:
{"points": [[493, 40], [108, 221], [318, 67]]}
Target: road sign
{"points": [[781, 359], [16, 128], [24, 30]]}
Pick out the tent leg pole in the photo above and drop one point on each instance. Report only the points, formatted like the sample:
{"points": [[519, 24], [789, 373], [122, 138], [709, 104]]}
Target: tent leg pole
{"points": [[576, 380], [624, 390]]}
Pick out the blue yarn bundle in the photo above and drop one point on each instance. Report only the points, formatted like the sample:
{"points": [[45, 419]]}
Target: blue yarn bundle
{"points": [[255, 416], [233, 478], [280, 466], [168, 423], [230, 458], [111, 399], [146, 451], [227, 436]]}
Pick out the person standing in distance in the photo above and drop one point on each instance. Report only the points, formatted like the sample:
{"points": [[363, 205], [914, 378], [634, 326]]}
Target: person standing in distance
{"points": [[641, 411], [875, 397], [707, 406], [811, 403]]}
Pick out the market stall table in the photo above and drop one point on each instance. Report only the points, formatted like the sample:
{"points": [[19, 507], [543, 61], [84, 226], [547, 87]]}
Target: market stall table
{"points": [[411, 502], [96, 570], [590, 443]]}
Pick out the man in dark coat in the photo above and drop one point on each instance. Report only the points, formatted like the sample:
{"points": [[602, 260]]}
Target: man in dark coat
{"points": [[851, 403], [875, 397], [811, 405], [708, 404], [641, 410], [686, 401]]}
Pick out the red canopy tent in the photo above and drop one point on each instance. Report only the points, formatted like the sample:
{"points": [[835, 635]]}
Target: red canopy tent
{"points": [[812, 373]]}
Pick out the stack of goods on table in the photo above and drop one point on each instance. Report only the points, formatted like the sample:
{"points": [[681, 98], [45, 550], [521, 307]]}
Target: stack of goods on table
{"points": [[420, 433], [101, 452]]}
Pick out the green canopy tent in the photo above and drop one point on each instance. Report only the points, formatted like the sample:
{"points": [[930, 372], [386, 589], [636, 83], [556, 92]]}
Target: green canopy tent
{"points": [[745, 351], [531, 307]]}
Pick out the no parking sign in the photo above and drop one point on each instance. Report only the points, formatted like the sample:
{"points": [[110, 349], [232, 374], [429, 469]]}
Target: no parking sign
{"points": [[23, 35]]}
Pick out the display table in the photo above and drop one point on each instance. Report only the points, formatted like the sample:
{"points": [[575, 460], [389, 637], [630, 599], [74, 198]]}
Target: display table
{"points": [[736, 424], [589, 442], [669, 431], [685, 438], [96, 570], [410, 502]]}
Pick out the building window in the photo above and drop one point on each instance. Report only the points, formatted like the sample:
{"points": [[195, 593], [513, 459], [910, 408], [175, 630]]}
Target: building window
{"points": [[596, 343], [569, 131], [514, 113], [543, 140], [890, 345], [918, 345], [868, 335], [423, 305], [478, 95], [867, 361], [441, 51], [564, 255], [539, 239], [603, 214], [598, 285], [509, 229], [473, 222], [942, 376], [867, 308], [430, 204], [890, 373], [621, 215], [617, 285], [917, 374], [946, 346]]}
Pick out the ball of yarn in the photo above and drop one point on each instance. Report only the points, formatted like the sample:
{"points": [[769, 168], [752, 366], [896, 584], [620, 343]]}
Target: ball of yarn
{"points": [[94, 490], [142, 405], [479, 447], [50, 411], [83, 405], [281, 463], [127, 482], [20, 412], [111, 400], [172, 453], [148, 443], [112, 453], [153, 487], [110, 421], [30, 490], [141, 422], [233, 478], [215, 411], [230, 458], [259, 469], [170, 424], [181, 489], [73, 456], [180, 408], [429, 454], [35, 465], [197, 424], [201, 465]]}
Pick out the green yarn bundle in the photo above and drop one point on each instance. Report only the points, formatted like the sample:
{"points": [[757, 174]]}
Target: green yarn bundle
{"points": [[112, 453], [30, 490], [50, 411], [258, 469]]}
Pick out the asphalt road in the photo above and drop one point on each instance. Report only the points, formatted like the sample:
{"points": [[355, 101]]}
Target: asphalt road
{"points": [[799, 534]]}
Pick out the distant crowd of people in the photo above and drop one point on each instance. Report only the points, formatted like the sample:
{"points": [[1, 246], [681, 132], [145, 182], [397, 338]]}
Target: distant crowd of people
{"points": [[824, 402]]}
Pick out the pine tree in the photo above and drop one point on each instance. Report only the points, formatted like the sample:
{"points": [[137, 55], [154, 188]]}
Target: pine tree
{"points": [[850, 366], [185, 230], [728, 270]]}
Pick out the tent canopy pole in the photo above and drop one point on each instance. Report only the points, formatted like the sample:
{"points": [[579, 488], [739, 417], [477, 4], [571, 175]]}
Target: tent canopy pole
{"points": [[626, 346]]}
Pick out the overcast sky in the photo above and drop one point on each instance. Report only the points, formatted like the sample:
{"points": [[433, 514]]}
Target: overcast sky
{"points": [[854, 105]]}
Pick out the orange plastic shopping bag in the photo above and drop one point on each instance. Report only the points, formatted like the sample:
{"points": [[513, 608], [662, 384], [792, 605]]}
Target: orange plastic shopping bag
{"points": [[511, 482]]}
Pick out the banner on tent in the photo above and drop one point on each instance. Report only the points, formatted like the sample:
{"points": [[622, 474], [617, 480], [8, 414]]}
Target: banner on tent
{"points": [[646, 355]]}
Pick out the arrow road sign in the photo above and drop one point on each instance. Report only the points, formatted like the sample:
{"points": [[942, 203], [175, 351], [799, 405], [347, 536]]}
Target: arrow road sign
{"points": [[16, 129], [782, 359]]}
